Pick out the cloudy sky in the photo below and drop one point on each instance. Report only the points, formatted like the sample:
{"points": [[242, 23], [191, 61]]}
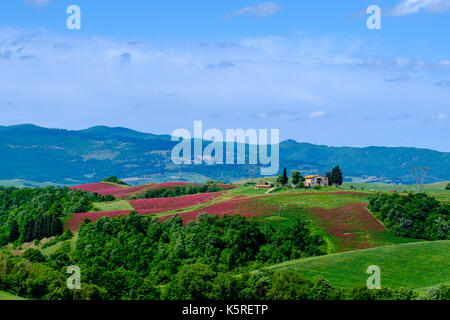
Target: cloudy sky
{"points": [[309, 68]]}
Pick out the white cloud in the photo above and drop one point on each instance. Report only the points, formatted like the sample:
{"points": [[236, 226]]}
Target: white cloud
{"points": [[317, 114], [261, 10], [38, 3], [407, 7], [75, 82], [440, 117]]}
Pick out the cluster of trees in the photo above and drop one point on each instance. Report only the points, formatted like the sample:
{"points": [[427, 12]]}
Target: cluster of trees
{"points": [[143, 244], [178, 191], [44, 277], [28, 214], [448, 186], [297, 179], [414, 215], [119, 254], [199, 282], [44, 226], [137, 257], [114, 179], [335, 177]]}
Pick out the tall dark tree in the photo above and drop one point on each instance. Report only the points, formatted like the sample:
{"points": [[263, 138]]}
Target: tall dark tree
{"points": [[297, 179], [28, 234], [14, 233], [336, 176], [330, 178], [283, 179], [56, 226], [38, 230]]}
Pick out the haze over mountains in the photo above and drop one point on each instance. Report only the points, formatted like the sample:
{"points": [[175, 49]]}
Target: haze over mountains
{"points": [[72, 157]]}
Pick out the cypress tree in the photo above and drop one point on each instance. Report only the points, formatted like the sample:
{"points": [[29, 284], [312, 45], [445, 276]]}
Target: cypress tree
{"points": [[38, 231], [330, 179], [48, 226], [336, 175], [285, 178], [29, 231], [14, 233], [56, 226]]}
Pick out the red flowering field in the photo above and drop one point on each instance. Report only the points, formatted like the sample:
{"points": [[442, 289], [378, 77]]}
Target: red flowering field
{"points": [[77, 219], [242, 205], [101, 188], [124, 192], [352, 226], [145, 206], [156, 205]]}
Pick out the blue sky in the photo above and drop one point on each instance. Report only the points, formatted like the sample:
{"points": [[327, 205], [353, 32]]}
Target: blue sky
{"points": [[309, 68]]}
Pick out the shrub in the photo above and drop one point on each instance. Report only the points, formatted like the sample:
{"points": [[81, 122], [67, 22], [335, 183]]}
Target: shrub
{"points": [[34, 255], [114, 179]]}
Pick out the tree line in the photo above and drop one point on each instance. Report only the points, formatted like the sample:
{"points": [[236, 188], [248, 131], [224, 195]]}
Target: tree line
{"points": [[415, 215], [178, 191], [34, 213], [139, 258]]}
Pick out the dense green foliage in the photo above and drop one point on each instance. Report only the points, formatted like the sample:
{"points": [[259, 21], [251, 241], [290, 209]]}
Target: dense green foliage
{"points": [[335, 177], [215, 258], [41, 277], [178, 191], [144, 245], [414, 215], [138, 257], [297, 179], [448, 186], [27, 214], [43, 226], [114, 179]]}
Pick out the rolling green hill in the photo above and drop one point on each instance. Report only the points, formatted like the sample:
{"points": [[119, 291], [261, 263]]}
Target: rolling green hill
{"points": [[414, 265], [8, 296], [73, 157], [437, 187]]}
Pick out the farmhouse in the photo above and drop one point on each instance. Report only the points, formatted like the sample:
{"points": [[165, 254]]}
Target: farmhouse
{"points": [[264, 185], [316, 180]]}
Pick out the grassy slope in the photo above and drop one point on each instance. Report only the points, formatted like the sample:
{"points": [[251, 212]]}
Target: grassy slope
{"points": [[113, 205], [438, 187], [414, 265], [300, 203], [8, 296]]}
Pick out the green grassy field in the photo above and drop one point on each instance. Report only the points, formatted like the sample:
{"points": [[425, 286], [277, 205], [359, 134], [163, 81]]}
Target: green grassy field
{"points": [[438, 187], [113, 205], [414, 265], [8, 296]]}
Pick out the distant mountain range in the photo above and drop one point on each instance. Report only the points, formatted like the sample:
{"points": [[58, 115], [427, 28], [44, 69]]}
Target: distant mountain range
{"points": [[72, 157]]}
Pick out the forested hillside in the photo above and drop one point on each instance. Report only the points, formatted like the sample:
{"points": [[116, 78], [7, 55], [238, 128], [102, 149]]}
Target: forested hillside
{"points": [[74, 157]]}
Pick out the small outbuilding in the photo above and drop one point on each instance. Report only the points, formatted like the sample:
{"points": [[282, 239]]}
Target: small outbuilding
{"points": [[264, 185]]}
